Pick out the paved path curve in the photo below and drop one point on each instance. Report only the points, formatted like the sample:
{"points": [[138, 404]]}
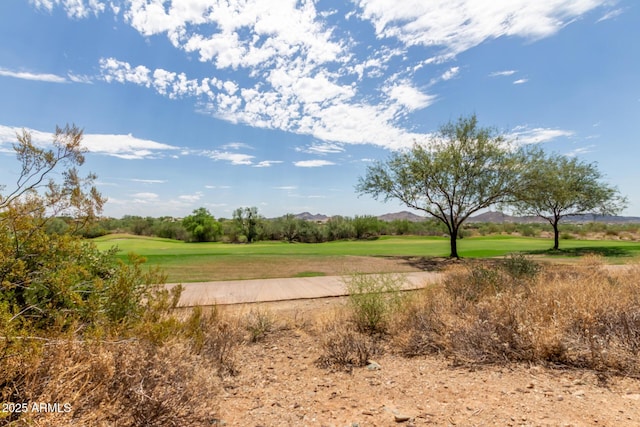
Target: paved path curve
{"points": [[263, 290]]}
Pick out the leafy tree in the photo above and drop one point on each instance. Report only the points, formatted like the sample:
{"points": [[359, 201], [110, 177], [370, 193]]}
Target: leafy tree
{"points": [[202, 226], [464, 168], [51, 278], [37, 194], [170, 228], [366, 226], [247, 220], [290, 227], [555, 186], [339, 228]]}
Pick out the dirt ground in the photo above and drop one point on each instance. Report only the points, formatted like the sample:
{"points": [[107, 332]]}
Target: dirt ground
{"points": [[279, 384]]}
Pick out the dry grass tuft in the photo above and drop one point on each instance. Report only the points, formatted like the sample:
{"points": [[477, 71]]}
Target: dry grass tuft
{"points": [[583, 316], [343, 346], [165, 374], [127, 383]]}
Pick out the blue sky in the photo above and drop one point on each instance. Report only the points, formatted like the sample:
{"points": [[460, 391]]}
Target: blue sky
{"points": [[283, 104]]}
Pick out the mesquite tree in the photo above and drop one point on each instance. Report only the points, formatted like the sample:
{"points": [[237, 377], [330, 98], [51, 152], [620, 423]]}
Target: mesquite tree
{"points": [[460, 170], [555, 186]]}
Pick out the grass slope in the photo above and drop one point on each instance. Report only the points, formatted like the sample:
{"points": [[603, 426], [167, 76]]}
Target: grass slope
{"points": [[219, 261]]}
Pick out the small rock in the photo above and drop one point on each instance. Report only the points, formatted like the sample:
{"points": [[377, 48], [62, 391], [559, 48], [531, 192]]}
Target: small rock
{"points": [[401, 418], [373, 366]]}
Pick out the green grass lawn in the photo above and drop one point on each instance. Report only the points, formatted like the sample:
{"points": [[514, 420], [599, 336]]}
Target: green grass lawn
{"points": [[218, 261]]}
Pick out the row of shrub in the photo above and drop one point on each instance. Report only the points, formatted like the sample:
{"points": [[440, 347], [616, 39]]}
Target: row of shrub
{"points": [[291, 229], [286, 228], [585, 316]]}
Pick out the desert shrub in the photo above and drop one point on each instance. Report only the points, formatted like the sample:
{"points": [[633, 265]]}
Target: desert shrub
{"points": [[215, 337], [473, 282], [528, 231], [584, 315], [128, 383], [343, 348], [421, 328], [258, 322], [372, 299], [519, 266]]}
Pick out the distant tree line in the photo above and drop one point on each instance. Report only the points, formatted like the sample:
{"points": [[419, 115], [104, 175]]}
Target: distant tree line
{"points": [[247, 225]]}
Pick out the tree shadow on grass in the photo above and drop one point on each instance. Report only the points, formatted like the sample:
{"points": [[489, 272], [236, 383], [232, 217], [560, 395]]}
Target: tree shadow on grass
{"points": [[604, 251]]}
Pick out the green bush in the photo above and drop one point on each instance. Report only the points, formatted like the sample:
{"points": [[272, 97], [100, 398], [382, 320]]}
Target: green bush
{"points": [[373, 298], [520, 267]]}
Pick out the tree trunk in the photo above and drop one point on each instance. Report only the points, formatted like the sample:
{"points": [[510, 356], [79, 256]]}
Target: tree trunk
{"points": [[454, 243], [556, 236]]}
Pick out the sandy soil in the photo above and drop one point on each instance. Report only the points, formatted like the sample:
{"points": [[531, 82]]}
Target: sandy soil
{"points": [[279, 384]]}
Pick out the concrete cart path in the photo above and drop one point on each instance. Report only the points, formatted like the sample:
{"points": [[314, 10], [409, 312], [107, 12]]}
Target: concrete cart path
{"points": [[263, 290]]}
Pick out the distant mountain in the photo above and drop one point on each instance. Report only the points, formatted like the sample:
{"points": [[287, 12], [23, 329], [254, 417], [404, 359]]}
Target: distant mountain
{"points": [[499, 217], [609, 219], [404, 215], [311, 217]]}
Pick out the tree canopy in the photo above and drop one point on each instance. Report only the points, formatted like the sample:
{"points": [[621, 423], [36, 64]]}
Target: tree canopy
{"points": [[460, 170], [555, 186], [51, 278], [246, 220], [202, 226]]}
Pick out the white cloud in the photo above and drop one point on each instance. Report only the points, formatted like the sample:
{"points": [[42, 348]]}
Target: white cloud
{"points": [[524, 135], [520, 81], [75, 8], [235, 146], [286, 187], [450, 73], [322, 148], [266, 163], [502, 73], [125, 146], [313, 163], [122, 72], [149, 181], [408, 96], [580, 150], [46, 77], [191, 198], [122, 146], [289, 69], [25, 75], [277, 30], [456, 26], [233, 158], [611, 14], [76, 78]]}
